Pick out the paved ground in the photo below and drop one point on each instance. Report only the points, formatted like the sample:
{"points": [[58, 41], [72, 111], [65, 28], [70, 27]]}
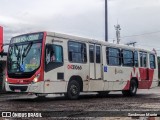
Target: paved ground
{"points": [[113, 105]]}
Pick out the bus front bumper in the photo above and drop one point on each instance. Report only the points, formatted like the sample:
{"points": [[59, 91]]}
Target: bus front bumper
{"points": [[28, 88]]}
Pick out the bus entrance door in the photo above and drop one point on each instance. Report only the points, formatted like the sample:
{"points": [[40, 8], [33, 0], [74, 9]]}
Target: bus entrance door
{"points": [[95, 62], [96, 82], [98, 66], [92, 61], [144, 71]]}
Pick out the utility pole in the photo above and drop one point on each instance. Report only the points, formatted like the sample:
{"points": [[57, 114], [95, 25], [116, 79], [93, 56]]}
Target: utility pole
{"points": [[118, 28], [106, 21], [131, 43]]}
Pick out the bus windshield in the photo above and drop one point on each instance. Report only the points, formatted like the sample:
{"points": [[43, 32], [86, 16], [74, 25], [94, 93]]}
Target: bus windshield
{"points": [[24, 57]]}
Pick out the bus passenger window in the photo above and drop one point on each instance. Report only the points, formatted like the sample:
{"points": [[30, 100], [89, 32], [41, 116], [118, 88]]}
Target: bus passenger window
{"points": [[143, 59], [98, 57], [48, 53], [77, 52], [152, 61], [54, 54], [113, 56], [136, 59], [91, 53], [127, 58], [57, 54]]}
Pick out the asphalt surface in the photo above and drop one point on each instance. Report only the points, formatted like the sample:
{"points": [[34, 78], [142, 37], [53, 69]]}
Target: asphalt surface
{"points": [[88, 105]]}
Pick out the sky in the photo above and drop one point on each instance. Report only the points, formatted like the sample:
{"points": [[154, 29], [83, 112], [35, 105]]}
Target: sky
{"points": [[139, 19]]}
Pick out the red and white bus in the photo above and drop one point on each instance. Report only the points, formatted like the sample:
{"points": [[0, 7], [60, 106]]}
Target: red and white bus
{"points": [[52, 63]]}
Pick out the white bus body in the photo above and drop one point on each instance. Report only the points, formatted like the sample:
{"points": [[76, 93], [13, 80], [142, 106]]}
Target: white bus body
{"points": [[86, 65]]}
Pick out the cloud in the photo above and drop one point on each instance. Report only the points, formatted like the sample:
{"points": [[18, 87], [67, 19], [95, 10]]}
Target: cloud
{"points": [[136, 17], [83, 18], [73, 17]]}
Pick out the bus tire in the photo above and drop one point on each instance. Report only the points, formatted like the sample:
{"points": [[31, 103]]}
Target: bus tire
{"points": [[103, 93], [125, 92], [132, 89], [73, 90]]}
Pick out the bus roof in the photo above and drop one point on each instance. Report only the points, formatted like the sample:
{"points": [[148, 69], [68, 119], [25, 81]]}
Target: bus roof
{"points": [[102, 42]]}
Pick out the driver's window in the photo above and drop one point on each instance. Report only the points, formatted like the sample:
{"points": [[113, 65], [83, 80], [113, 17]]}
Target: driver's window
{"points": [[54, 54]]}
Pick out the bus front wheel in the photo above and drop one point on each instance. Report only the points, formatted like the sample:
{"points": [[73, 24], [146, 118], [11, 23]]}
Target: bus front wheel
{"points": [[132, 89], [73, 90]]}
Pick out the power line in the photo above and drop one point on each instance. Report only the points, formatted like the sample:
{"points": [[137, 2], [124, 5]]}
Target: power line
{"points": [[147, 45], [142, 34], [139, 34]]}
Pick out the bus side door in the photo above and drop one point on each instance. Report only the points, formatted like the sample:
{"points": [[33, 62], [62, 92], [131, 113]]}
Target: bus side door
{"points": [[91, 60], [96, 82], [144, 71], [143, 66]]}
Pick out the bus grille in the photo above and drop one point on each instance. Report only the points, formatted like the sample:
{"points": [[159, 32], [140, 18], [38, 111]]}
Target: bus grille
{"points": [[21, 88]]}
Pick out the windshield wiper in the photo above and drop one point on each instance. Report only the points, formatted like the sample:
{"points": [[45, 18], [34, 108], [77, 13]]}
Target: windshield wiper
{"points": [[10, 50], [16, 48], [27, 49], [18, 55]]}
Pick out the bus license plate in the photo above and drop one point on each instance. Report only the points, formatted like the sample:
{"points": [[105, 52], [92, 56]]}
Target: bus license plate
{"points": [[17, 90]]}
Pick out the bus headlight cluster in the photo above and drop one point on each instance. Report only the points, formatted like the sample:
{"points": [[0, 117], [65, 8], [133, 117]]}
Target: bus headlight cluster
{"points": [[36, 78]]}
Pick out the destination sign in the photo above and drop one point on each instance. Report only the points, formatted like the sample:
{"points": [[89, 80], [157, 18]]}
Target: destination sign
{"points": [[27, 37]]}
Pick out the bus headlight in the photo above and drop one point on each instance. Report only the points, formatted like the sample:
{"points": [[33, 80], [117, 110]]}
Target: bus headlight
{"points": [[36, 78], [6, 80]]}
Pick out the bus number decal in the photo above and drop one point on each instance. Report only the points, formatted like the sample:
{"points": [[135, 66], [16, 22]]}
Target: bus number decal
{"points": [[74, 67]]}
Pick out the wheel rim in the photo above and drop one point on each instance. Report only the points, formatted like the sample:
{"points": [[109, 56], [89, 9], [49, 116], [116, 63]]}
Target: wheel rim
{"points": [[74, 90]]}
